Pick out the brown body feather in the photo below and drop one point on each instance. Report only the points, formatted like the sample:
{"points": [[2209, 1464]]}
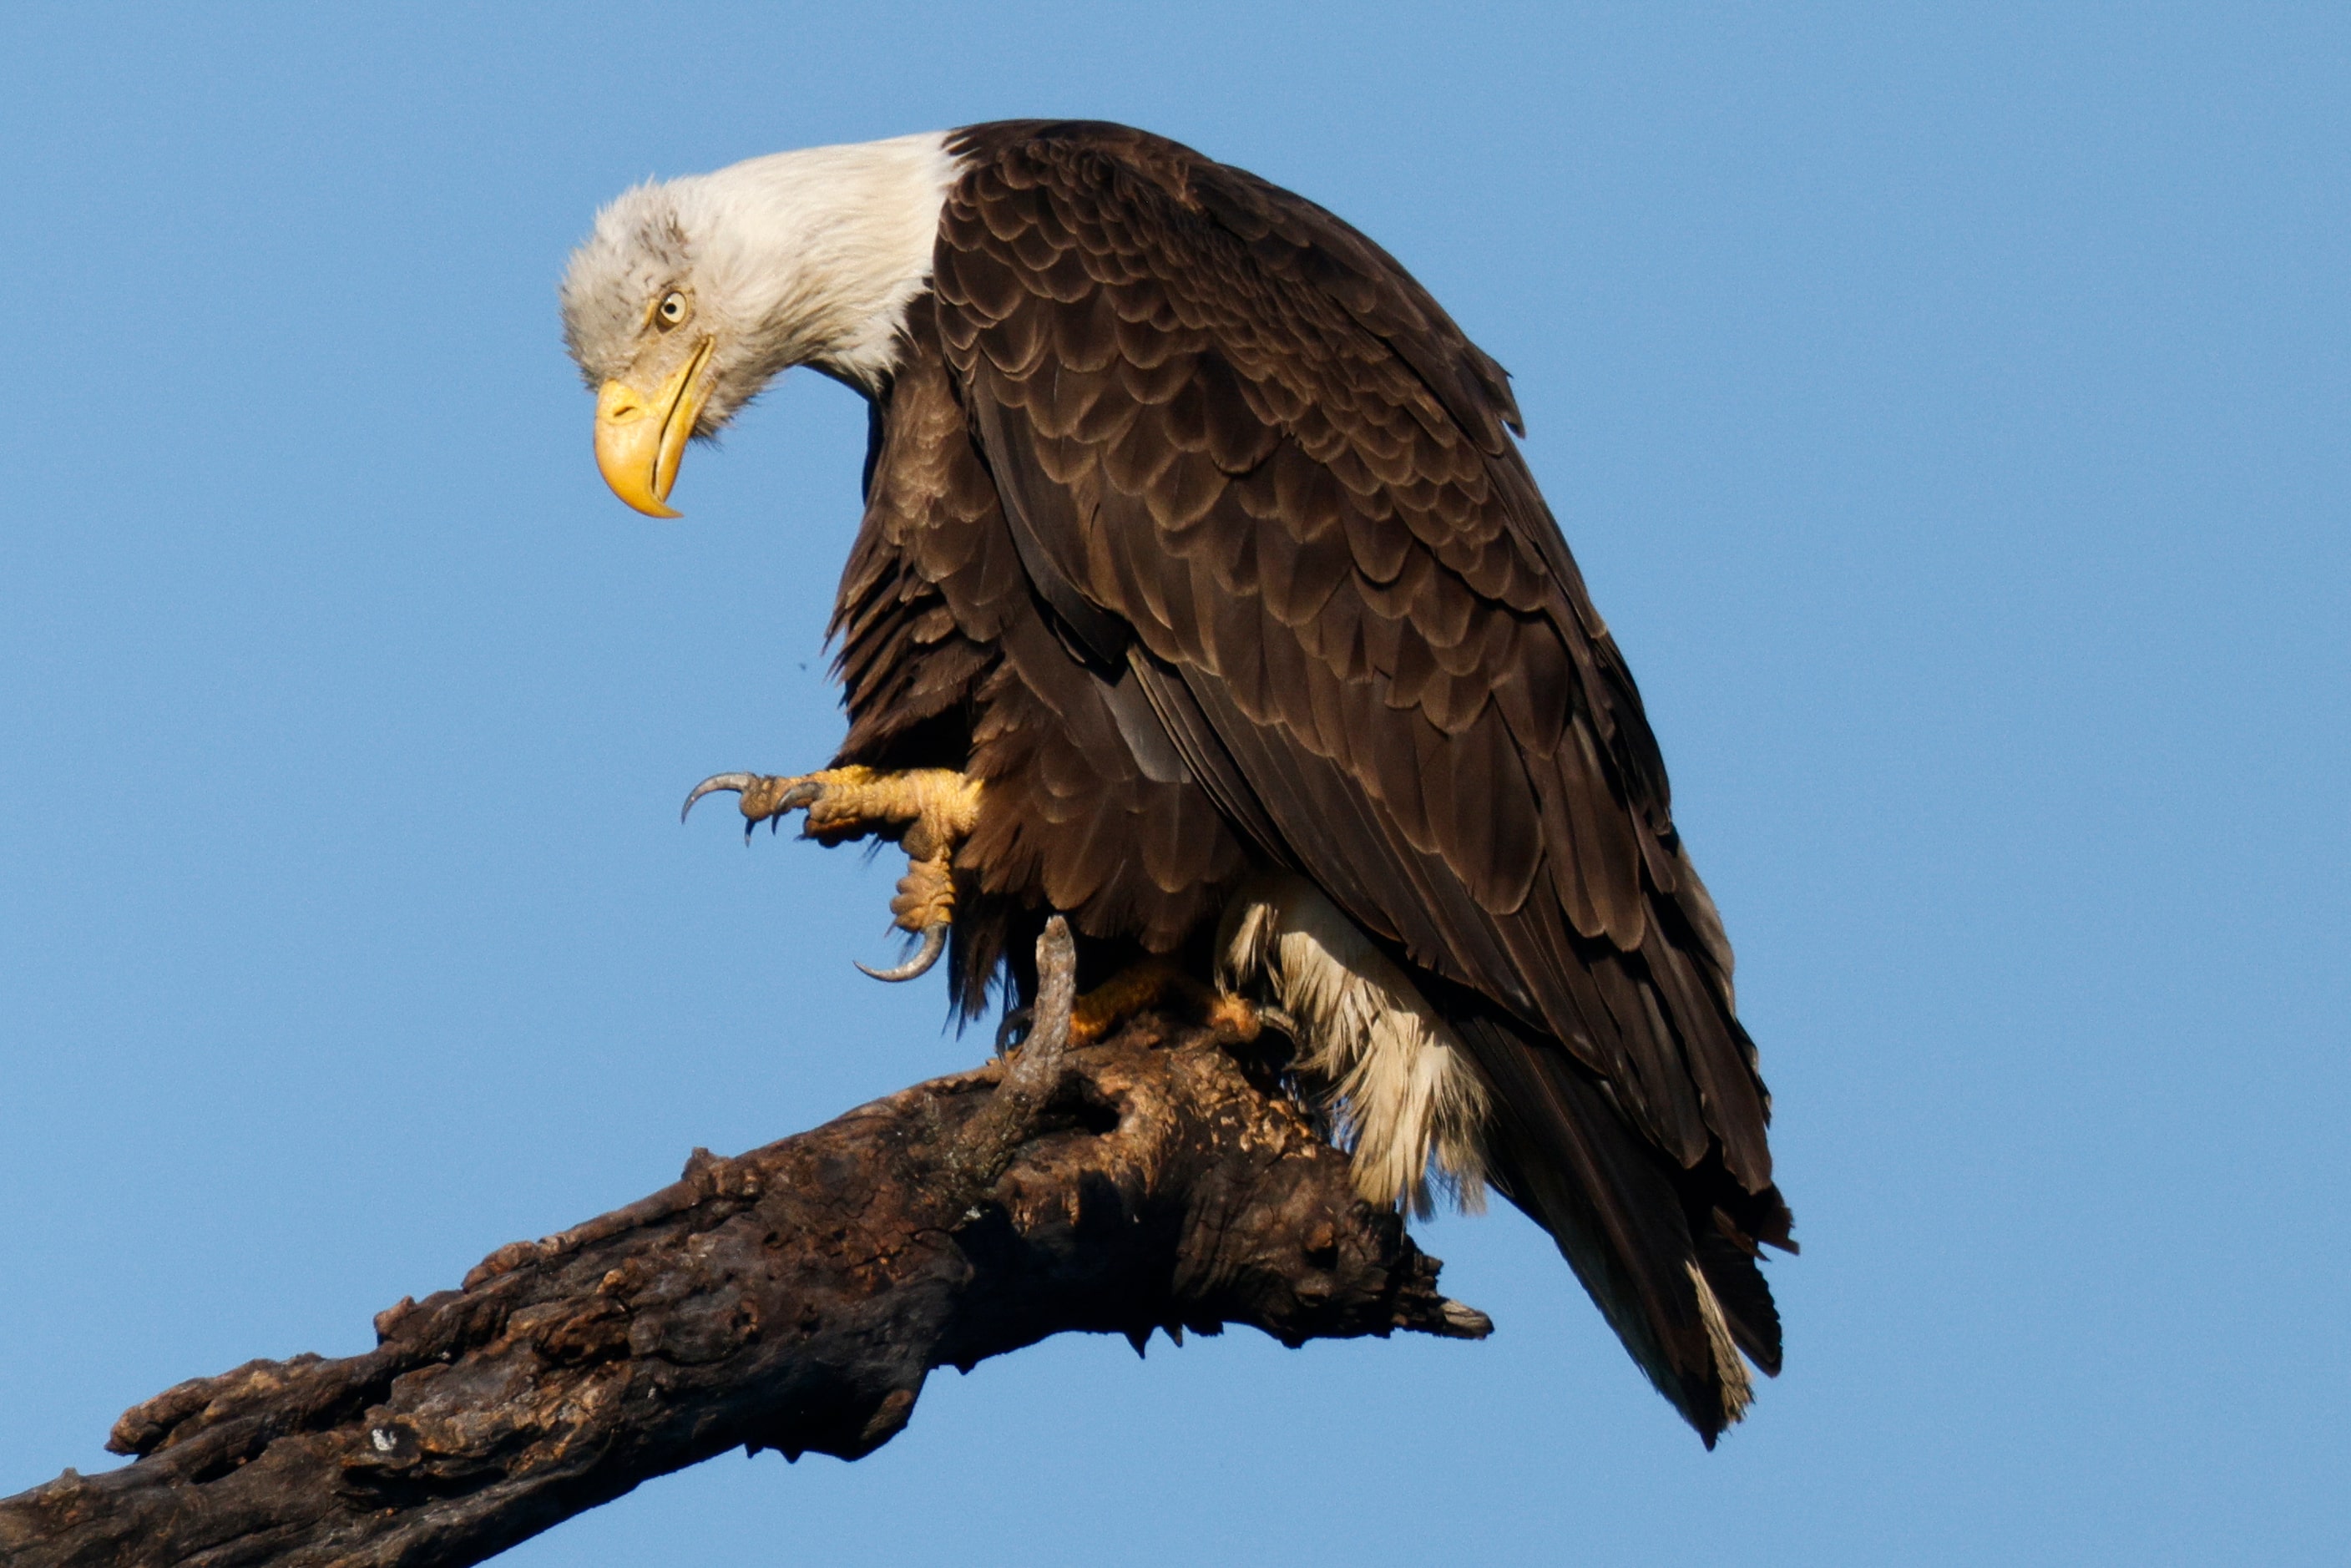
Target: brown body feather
{"points": [[1197, 529]]}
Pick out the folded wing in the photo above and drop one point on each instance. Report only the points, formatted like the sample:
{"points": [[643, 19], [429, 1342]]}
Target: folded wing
{"points": [[1249, 462]]}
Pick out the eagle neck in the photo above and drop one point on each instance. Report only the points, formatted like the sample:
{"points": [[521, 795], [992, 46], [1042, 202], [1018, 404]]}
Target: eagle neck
{"points": [[814, 257]]}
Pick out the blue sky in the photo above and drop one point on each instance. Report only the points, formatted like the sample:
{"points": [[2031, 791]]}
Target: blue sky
{"points": [[1947, 405]]}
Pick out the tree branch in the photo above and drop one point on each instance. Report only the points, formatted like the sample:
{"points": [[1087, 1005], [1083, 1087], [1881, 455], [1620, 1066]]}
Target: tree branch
{"points": [[793, 1298]]}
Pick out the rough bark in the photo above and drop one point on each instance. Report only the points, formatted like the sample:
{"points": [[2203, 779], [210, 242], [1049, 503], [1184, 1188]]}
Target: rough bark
{"points": [[793, 1298]]}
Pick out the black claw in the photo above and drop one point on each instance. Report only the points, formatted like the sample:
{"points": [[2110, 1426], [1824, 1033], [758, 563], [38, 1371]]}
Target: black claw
{"points": [[1014, 1028], [737, 782], [935, 941]]}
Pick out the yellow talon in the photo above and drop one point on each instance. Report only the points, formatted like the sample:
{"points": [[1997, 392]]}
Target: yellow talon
{"points": [[1157, 983]]}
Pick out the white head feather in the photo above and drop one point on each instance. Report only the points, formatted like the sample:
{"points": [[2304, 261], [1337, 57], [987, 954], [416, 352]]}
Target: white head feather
{"points": [[797, 259]]}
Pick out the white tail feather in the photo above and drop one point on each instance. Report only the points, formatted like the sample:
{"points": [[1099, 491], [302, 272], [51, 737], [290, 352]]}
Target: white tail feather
{"points": [[1738, 1388]]}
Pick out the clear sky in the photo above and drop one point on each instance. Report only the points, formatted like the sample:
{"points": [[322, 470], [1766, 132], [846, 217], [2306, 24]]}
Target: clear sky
{"points": [[1946, 402]]}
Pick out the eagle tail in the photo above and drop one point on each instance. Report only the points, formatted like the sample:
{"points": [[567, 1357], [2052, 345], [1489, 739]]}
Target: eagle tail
{"points": [[1667, 1254]]}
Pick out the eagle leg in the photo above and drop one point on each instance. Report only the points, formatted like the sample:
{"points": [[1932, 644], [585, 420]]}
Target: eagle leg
{"points": [[928, 810]]}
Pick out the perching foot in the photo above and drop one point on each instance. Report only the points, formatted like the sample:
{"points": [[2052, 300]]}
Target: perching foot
{"points": [[1154, 983]]}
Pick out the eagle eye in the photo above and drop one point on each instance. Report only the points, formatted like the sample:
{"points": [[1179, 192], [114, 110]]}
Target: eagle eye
{"points": [[670, 310]]}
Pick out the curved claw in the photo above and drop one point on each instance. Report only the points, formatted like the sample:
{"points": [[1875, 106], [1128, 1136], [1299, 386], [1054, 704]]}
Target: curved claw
{"points": [[1015, 1029], [935, 941], [739, 782]]}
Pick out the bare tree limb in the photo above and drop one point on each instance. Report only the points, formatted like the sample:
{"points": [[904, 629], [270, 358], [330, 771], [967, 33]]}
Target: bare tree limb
{"points": [[794, 1298]]}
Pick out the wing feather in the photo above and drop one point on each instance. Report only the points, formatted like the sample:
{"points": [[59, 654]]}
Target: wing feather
{"points": [[1244, 454]]}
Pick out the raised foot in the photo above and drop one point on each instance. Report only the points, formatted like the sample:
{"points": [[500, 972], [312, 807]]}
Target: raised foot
{"points": [[928, 810], [925, 809]]}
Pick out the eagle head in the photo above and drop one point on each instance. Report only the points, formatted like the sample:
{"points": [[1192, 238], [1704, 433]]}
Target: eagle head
{"points": [[692, 294]]}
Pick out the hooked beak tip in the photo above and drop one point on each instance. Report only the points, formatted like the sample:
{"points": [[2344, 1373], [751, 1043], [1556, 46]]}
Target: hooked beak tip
{"points": [[640, 436]]}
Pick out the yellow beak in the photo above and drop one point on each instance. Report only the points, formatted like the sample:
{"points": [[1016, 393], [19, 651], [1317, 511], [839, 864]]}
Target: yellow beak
{"points": [[641, 435]]}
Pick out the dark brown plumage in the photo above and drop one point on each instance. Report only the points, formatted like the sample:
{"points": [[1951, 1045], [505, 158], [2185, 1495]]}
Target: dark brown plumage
{"points": [[1197, 529]]}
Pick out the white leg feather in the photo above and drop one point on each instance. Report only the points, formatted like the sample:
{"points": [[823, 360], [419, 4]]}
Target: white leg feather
{"points": [[1404, 1093]]}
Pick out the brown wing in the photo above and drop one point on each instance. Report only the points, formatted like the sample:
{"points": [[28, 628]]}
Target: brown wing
{"points": [[1246, 456]]}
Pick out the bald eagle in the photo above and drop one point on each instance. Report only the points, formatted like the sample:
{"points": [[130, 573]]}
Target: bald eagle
{"points": [[1203, 596]]}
